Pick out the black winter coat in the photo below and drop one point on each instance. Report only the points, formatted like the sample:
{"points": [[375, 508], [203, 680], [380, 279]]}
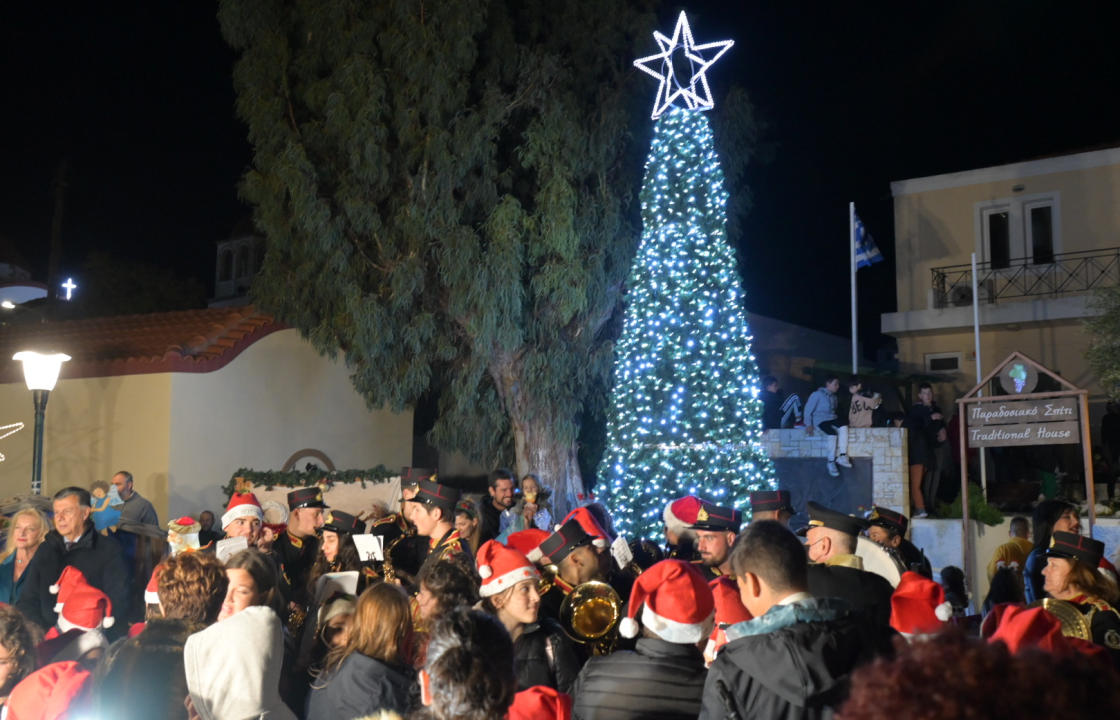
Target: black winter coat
{"points": [[361, 686], [658, 680], [796, 672], [100, 559], [545, 656], [864, 591]]}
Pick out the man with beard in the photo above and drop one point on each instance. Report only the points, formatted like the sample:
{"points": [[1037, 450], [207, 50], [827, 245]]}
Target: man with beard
{"points": [[501, 499], [716, 528]]}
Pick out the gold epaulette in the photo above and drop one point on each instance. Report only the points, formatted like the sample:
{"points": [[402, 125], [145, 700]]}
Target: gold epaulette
{"points": [[845, 560]]}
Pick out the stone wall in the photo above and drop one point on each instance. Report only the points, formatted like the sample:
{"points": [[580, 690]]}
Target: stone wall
{"points": [[886, 447]]}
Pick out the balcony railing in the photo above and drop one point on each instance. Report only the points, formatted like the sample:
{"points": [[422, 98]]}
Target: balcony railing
{"points": [[1068, 274]]}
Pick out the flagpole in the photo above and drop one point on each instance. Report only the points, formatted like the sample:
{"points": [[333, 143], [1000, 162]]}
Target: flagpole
{"points": [[979, 372], [852, 269]]}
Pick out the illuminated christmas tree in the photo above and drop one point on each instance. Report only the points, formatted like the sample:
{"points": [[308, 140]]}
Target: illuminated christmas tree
{"points": [[685, 416]]}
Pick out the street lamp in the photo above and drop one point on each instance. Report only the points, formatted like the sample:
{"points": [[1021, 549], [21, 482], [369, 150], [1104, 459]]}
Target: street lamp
{"points": [[40, 372]]}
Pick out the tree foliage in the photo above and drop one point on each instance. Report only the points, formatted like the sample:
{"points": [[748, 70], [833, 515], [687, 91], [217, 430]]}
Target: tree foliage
{"points": [[448, 190], [1104, 340]]}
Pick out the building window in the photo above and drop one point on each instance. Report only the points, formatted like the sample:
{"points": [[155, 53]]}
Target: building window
{"points": [[243, 269], [946, 362], [225, 266], [1019, 231]]}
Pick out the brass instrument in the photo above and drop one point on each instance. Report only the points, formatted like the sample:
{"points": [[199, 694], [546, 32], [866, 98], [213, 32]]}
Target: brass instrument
{"points": [[549, 574], [388, 572], [1074, 623], [297, 615], [590, 615]]}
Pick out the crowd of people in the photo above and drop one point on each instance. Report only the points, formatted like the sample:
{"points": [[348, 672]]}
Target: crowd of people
{"points": [[495, 608]]}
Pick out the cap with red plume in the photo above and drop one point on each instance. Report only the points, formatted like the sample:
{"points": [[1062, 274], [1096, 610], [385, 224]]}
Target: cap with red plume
{"points": [[675, 601], [590, 526], [918, 605], [528, 542]]}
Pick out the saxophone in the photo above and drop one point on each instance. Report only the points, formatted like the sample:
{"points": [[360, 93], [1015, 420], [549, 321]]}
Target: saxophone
{"points": [[388, 572]]}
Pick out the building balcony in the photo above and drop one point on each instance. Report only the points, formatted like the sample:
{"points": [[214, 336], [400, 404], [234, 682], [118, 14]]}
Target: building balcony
{"points": [[1015, 292]]}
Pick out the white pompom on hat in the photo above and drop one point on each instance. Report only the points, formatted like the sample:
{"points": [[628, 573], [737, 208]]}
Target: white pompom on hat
{"points": [[151, 590], [680, 514], [242, 505], [918, 606], [87, 608], [675, 601], [501, 568]]}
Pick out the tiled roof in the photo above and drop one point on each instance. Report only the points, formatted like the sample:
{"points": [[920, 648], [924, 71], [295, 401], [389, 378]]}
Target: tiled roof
{"points": [[183, 341]]}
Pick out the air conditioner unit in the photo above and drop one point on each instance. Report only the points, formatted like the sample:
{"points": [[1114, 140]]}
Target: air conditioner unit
{"points": [[961, 295]]}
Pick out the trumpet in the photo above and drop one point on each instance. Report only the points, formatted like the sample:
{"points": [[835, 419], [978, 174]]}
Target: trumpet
{"points": [[549, 573], [590, 615]]}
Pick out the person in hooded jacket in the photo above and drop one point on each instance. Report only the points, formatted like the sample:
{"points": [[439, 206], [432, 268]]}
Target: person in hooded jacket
{"points": [[794, 658], [233, 668]]}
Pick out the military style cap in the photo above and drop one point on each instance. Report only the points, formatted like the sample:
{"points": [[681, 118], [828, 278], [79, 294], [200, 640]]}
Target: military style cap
{"points": [[561, 543], [340, 522], [820, 516], [1072, 546], [435, 495], [889, 519], [714, 517], [306, 497], [410, 476], [769, 500]]}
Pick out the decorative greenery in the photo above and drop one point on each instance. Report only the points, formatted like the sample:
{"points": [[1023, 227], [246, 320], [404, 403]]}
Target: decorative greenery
{"points": [[312, 475], [686, 418], [1104, 340], [978, 508], [448, 191]]}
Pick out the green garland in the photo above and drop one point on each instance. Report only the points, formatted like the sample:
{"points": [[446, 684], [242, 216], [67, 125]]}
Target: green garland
{"points": [[269, 479]]}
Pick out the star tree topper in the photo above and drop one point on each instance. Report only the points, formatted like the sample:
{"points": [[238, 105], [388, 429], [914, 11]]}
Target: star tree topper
{"points": [[695, 95]]}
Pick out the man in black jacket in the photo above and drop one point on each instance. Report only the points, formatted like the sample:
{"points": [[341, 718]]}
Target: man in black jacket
{"points": [[793, 660], [837, 572], [74, 542], [663, 676]]}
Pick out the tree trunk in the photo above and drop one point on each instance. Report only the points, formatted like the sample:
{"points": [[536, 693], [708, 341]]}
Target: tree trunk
{"points": [[537, 449]]}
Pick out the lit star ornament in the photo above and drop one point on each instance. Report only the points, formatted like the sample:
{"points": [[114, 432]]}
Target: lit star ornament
{"points": [[695, 95]]}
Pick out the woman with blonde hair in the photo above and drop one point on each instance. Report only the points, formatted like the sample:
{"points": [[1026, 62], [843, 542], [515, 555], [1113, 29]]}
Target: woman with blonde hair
{"points": [[369, 673], [25, 535]]}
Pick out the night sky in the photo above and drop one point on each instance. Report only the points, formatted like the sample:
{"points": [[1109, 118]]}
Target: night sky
{"points": [[137, 98]]}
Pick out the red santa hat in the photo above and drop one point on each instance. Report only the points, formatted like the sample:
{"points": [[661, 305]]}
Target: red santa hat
{"points": [[680, 514], [501, 568], [676, 603], [87, 608], [70, 579], [528, 542], [1021, 628], [729, 610], [151, 591], [918, 605], [541, 703], [590, 526], [242, 505], [49, 692]]}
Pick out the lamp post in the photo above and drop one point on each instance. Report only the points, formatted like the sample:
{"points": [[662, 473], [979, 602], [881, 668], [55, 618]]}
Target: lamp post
{"points": [[40, 372]]}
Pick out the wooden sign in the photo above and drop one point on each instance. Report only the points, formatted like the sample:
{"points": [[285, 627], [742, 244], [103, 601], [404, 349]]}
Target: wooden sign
{"points": [[1041, 433], [1009, 412]]}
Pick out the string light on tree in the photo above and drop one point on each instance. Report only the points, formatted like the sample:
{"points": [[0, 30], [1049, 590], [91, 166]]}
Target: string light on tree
{"points": [[8, 430], [685, 414]]}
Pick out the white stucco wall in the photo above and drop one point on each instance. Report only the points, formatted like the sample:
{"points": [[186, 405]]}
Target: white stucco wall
{"points": [[276, 398]]}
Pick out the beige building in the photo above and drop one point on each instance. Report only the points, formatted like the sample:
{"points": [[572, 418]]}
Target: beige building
{"points": [[1045, 233], [184, 399]]}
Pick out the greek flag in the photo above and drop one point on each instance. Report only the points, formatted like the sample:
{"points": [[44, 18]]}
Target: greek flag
{"points": [[867, 252]]}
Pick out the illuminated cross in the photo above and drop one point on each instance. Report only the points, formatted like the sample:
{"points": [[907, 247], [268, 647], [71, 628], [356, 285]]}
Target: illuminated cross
{"points": [[69, 287]]}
